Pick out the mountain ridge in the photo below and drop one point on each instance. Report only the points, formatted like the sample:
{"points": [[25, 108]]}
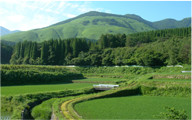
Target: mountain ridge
{"points": [[93, 24], [95, 13], [5, 31]]}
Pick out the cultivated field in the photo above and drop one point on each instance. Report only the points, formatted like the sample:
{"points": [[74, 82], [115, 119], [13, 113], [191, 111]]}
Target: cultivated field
{"points": [[133, 107], [28, 89], [144, 89]]}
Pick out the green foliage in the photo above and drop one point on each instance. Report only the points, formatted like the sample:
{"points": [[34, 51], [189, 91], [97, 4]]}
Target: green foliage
{"points": [[56, 106], [173, 114], [172, 91], [146, 90], [170, 48], [49, 107], [155, 48], [6, 52], [116, 70], [23, 75], [152, 36], [150, 58], [44, 110], [111, 41], [52, 52], [16, 104]]}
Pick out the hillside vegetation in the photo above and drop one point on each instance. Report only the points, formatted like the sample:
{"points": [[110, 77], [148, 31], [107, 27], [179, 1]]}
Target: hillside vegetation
{"points": [[154, 48], [33, 75], [92, 25]]}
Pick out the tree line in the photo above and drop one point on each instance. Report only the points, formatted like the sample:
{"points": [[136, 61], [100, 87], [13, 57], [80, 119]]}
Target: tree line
{"points": [[131, 40], [52, 52], [154, 48]]}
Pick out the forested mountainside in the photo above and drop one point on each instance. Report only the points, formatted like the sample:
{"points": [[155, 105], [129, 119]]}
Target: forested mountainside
{"points": [[93, 24], [153, 48]]}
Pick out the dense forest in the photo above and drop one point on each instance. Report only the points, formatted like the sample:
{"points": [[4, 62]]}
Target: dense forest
{"points": [[6, 52], [154, 48]]}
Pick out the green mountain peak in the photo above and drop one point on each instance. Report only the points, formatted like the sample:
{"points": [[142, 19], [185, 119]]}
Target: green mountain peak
{"points": [[92, 25]]}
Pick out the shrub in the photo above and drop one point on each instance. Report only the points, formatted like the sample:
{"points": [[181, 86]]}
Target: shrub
{"points": [[173, 114]]}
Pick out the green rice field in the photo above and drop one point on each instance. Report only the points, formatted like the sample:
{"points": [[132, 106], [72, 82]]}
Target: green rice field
{"points": [[100, 80], [27, 89], [134, 107]]}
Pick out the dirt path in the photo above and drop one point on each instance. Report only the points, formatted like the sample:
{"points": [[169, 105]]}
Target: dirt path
{"points": [[53, 117]]}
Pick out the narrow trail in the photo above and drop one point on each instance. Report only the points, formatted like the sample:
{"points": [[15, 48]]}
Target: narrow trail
{"points": [[53, 116]]}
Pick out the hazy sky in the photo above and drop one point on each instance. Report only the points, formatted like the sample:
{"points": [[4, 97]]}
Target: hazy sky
{"points": [[26, 15]]}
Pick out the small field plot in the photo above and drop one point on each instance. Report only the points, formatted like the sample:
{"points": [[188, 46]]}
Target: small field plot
{"points": [[15, 90], [134, 107], [99, 80], [171, 80], [171, 77]]}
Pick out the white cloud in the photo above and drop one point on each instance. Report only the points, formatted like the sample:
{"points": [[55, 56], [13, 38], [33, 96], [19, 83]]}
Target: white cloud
{"points": [[39, 22], [15, 18], [61, 5], [26, 15], [70, 15], [75, 6], [3, 11]]}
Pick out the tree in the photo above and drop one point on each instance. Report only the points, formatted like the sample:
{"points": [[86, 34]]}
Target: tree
{"points": [[173, 114], [6, 52], [44, 53]]}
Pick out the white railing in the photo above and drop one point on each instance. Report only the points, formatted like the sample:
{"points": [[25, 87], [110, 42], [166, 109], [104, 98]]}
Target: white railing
{"points": [[105, 86]]}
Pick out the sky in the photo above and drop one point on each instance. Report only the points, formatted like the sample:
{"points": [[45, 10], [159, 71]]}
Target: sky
{"points": [[31, 14]]}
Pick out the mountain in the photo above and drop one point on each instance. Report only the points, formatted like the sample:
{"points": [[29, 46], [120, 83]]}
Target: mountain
{"points": [[5, 31], [92, 25], [171, 23]]}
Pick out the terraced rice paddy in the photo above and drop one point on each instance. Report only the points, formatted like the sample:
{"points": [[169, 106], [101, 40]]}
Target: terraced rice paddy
{"points": [[134, 107], [27, 89], [78, 84], [157, 93]]}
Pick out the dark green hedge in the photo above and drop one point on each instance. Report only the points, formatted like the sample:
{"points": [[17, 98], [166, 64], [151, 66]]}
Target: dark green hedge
{"points": [[28, 77]]}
